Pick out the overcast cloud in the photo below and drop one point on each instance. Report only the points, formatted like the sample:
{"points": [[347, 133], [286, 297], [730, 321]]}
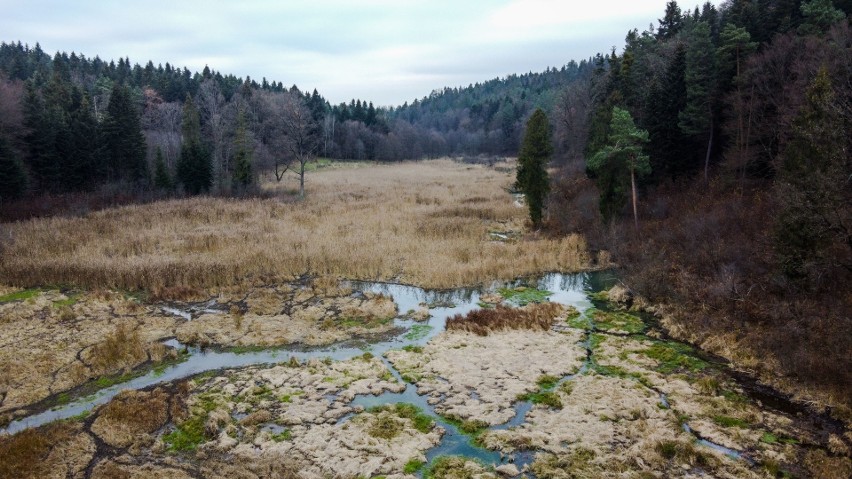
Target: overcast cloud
{"points": [[386, 51]]}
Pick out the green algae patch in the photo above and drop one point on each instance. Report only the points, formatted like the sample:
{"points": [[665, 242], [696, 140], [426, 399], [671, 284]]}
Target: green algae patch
{"points": [[522, 296], [417, 332]]}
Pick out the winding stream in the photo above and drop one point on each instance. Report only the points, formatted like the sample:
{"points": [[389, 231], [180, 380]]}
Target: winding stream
{"points": [[567, 289]]}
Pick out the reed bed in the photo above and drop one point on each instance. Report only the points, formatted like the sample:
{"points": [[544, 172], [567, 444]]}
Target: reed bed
{"points": [[424, 223], [482, 322]]}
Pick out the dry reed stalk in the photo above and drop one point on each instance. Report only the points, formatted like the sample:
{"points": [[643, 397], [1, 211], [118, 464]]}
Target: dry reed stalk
{"points": [[425, 223], [535, 317]]}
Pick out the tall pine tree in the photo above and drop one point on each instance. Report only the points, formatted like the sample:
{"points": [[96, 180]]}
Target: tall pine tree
{"points": [[623, 157]]}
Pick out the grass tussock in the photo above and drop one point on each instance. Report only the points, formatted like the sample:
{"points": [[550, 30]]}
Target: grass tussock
{"points": [[380, 222], [536, 317], [120, 350], [24, 455], [132, 415]]}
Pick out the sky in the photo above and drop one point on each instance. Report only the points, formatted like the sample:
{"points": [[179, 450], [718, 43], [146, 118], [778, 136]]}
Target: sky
{"points": [[384, 51]]}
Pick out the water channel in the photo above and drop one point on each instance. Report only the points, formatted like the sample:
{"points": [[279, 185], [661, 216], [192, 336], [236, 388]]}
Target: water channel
{"points": [[570, 290]]}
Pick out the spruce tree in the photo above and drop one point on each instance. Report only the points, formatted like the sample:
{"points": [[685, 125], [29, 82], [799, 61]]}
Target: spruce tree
{"points": [[535, 154], [194, 169], [13, 179], [162, 178], [123, 142], [696, 118]]}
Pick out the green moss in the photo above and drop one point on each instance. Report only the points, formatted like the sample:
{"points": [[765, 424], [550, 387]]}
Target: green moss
{"points": [[578, 321], [547, 381], [673, 356], [547, 398], [419, 421], [413, 466], [617, 321], [446, 467], [522, 296], [20, 295], [282, 436], [412, 348], [727, 421], [187, 435], [287, 398], [596, 340], [418, 331], [80, 417], [600, 296], [108, 381], [484, 305], [367, 323], [367, 356], [385, 426], [70, 300]]}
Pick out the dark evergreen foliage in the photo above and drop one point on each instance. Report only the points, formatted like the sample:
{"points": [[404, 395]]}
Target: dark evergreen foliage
{"points": [[124, 145], [194, 170], [535, 154], [13, 179]]}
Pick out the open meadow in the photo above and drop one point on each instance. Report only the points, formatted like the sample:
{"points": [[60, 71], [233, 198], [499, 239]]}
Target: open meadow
{"points": [[426, 223]]}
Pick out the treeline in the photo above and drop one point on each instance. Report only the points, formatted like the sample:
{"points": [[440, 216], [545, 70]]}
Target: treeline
{"points": [[733, 125], [75, 124]]}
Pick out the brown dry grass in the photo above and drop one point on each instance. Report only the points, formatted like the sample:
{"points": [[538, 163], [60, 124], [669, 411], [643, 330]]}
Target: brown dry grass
{"points": [[132, 415], [536, 317], [121, 349], [425, 223], [25, 454]]}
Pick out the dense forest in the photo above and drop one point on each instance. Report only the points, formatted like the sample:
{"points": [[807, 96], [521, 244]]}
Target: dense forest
{"points": [[710, 157], [732, 125], [72, 123]]}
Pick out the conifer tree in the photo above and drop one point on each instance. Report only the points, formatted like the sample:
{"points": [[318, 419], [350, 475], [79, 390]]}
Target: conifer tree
{"points": [[623, 156], [162, 178], [13, 179], [696, 118], [124, 145], [535, 154], [194, 169]]}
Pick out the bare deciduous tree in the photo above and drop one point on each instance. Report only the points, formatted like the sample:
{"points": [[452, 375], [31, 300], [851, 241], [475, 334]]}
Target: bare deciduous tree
{"points": [[288, 134]]}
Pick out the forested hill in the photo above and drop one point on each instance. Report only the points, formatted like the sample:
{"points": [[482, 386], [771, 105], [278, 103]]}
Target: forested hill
{"points": [[488, 117]]}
